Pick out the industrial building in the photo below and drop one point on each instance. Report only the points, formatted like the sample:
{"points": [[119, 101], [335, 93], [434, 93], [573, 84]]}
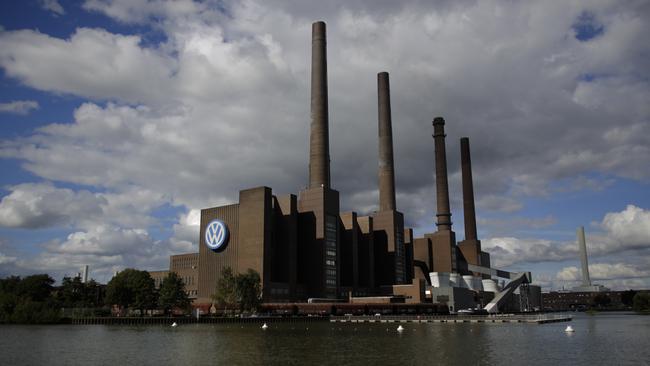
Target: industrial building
{"points": [[186, 267], [306, 249]]}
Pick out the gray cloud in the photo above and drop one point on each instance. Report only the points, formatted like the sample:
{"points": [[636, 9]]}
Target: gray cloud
{"points": [[22, 107], [223, 102]]}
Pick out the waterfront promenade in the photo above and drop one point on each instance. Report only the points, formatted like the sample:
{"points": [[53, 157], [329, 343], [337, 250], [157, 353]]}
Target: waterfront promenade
{"points": [[508, 318]]}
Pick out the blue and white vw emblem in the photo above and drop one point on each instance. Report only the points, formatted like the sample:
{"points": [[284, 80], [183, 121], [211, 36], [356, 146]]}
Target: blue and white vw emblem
{"points": [[216, 235]]}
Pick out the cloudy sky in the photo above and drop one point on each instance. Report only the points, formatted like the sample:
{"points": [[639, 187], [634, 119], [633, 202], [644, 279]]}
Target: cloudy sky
{"points": [[121, 119]]}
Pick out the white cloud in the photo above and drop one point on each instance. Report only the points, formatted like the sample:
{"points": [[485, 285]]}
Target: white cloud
{"points": [[506, 251], [92, 63], [22, 107], [186, 231], [629, 228], [53, 6], [604, 271], [4, 259], [41, 205], [623, 233], [617, 276], [105, 241], [106, 249]]}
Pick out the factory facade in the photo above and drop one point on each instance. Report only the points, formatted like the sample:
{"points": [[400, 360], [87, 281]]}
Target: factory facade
{"points": [[306, 249], [302, 245]]}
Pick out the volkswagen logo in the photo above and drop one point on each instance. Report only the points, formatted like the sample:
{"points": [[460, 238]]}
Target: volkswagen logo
{"points": [[216, 235]]}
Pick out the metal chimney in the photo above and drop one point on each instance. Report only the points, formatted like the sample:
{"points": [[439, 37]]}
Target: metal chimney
{"points": [[469, 210], [386, 168], [319, 172], [442, 189], [582, 245]]}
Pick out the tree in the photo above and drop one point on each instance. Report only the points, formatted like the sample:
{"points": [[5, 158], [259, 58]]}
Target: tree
{"points": [[242, 290], [627, 297], [226, 291], [35, 287], [70, 294], [248, 290], [172, 293], [641, 302], [602, 300], [8, 297], [27, 300], [75, 294], [131, 289]]}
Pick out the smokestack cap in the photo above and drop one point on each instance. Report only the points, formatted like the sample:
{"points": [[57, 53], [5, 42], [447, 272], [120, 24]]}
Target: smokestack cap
{"points": [[318, 30], [438, 121]]}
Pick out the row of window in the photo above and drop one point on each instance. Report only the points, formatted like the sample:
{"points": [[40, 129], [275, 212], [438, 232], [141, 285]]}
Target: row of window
{"points": [[279, 291], [184, 262], [330, 250]]}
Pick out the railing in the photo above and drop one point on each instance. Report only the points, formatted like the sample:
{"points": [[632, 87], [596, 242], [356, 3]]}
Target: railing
{"points": [[525, 318]]}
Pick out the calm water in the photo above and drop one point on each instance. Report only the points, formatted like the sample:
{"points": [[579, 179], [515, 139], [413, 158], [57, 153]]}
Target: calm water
{"points": [[603, 339]]}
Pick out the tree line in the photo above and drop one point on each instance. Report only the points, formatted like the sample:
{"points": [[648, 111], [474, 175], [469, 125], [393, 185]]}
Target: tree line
{"points": [[35, 299]]}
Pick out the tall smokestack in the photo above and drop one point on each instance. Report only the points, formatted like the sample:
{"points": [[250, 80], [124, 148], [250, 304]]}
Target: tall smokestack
{"points": [[582, 245], [386, 169], [468, 190], [319, 172], [442, 189]]}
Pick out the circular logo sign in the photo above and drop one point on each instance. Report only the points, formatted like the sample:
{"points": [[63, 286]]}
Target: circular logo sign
{"points": [[216, 235]]}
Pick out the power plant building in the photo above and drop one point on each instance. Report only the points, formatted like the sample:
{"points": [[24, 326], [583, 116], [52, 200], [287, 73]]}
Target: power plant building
{"points": [[304, 247]]}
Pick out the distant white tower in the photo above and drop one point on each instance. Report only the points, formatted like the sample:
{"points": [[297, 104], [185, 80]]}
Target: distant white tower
{"points": [[84, 276], [582, 246], [586, 281]]}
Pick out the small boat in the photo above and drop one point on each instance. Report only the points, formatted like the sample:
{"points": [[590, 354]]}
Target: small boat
{"points": [[174, 324], [569, 329], [264, 326], [400, 328]]}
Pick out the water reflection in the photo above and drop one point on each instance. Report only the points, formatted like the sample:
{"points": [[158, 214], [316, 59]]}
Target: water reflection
{"points": [[599, 339]]}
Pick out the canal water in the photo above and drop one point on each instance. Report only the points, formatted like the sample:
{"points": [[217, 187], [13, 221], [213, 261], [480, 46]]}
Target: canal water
{"points": [[601, 339]]}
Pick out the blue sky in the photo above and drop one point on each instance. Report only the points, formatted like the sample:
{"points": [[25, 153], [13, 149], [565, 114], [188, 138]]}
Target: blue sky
{"points": [[120, 120]]}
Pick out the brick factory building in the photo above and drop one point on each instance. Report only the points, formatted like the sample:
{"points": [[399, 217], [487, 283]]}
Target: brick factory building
{"points": [[304, 247]]}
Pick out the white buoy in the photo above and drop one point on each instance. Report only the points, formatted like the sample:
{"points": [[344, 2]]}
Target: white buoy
{"points": [[569, 329], [174, 324], [400, 328], [264, 326]]}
